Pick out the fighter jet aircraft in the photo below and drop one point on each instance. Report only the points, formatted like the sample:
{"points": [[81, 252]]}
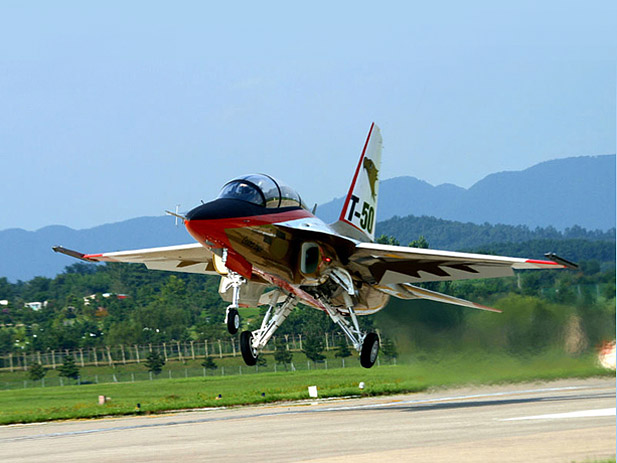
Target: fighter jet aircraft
{"points": [[269, 249]]}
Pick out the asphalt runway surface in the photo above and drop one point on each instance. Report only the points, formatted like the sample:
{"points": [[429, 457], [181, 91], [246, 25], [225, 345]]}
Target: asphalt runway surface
{"points": [[561, 421]]}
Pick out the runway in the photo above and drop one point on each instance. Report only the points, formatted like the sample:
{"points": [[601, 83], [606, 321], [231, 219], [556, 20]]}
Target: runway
{"points": [[562, 421]]}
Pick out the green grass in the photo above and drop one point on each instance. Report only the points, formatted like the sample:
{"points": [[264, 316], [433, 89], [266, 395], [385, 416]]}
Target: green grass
{"points": [[50, 403]]}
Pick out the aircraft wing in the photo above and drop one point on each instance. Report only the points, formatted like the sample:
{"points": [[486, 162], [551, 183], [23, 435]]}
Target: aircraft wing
{"points": [[188, 258], [391, 265], [407, 291]]}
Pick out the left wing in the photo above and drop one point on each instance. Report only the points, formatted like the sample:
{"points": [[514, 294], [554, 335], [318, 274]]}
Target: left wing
{"points": [[387, 265], [188, 258]]}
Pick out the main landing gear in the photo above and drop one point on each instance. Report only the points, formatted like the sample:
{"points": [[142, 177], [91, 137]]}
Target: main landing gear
{"points": [[251, 342], [367, 344], [370, 349], [249, 353]]}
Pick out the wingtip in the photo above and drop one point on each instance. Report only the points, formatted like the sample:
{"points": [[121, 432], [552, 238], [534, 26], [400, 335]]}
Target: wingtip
{"points": [[71, 253], [561, 261], [489, 309]]}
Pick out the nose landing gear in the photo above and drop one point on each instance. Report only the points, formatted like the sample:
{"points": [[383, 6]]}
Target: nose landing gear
{"points": [[233, 320], [232, 317]]}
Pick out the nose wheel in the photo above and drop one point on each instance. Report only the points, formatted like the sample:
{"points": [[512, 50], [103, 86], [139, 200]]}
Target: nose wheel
{"points": [[233, 320], [232, 317]]}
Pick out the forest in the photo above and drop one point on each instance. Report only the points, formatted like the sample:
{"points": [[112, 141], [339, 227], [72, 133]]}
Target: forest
{"points": [[457, 236]]}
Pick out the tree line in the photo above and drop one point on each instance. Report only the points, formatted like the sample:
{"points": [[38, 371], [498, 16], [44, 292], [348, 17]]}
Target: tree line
{"points": [[456, 236]]}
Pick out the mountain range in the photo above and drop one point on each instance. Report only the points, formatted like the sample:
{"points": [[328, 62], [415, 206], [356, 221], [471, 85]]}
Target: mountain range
{"points": [[560, 194]]}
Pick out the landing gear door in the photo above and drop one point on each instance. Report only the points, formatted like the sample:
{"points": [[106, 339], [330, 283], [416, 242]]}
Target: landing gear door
{"points": [[249, 292], [219, 266]]}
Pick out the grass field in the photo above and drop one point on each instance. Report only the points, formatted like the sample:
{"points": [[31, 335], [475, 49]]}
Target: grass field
{"points": [[49, 403]]}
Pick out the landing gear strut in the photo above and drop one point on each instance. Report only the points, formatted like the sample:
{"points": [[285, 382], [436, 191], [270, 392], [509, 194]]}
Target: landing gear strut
{"points": [[252, 342], [232, 317], [367, 344]]}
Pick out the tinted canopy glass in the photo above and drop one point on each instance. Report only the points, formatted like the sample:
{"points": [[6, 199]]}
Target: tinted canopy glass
{"points": [[262, 190], [243, 191]]}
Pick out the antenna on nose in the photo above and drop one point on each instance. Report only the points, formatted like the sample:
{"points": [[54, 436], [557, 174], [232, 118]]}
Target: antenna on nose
{"points": [[176, 214]]}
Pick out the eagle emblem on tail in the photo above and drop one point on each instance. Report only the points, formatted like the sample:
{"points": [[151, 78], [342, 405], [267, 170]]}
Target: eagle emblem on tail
{"points": [[372, 172]]}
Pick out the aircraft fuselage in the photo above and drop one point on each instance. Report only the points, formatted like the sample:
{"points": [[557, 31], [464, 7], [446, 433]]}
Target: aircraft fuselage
{"points": [[261, 249]]}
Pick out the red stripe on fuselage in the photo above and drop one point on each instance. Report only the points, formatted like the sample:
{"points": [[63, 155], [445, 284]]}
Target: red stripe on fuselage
{"points": [[213, 230]]}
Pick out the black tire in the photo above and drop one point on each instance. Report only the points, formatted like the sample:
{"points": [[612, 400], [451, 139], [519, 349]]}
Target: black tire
{"points": [[233, 321], [370, 350], [248, 353]]}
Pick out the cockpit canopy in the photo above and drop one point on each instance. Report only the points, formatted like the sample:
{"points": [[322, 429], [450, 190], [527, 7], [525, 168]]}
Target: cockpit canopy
{"points": [[262, 190]]}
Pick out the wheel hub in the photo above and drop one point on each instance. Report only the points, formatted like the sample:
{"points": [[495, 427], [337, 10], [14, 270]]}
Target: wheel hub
{"points": [[374, 351]]}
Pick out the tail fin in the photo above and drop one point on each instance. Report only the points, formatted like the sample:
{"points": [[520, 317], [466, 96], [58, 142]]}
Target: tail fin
{"points": [[358, 216]]}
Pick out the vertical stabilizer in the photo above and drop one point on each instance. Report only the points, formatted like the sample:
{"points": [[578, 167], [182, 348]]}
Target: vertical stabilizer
{"points": [[360, 208]]}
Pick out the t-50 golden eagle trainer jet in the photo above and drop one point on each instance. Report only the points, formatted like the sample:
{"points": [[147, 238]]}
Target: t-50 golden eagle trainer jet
{"points": [[258, 234]]}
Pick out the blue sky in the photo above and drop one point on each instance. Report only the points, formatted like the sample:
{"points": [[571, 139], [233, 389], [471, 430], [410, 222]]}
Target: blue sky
{"points": [[128, 108]]}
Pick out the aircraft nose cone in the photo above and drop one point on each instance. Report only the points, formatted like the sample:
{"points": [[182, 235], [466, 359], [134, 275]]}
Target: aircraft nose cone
{"points": [[223, 208], [207, 211], [201, 222]]}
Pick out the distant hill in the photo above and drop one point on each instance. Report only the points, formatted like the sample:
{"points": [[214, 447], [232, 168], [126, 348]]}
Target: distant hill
{"points": [[560, 193], [28, 254]]}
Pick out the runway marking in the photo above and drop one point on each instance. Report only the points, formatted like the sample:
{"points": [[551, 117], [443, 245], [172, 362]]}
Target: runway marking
{"points": [[558, 416], [392, 403]]}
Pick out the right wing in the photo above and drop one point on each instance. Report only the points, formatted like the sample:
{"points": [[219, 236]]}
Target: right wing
{"points": [[188, 258], [393, 269], [398, 264], [407, 291]]}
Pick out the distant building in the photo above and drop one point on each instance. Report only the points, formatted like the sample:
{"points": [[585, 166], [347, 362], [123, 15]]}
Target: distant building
{"points": [[36, 305], [92, 297], [4, 302]]}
